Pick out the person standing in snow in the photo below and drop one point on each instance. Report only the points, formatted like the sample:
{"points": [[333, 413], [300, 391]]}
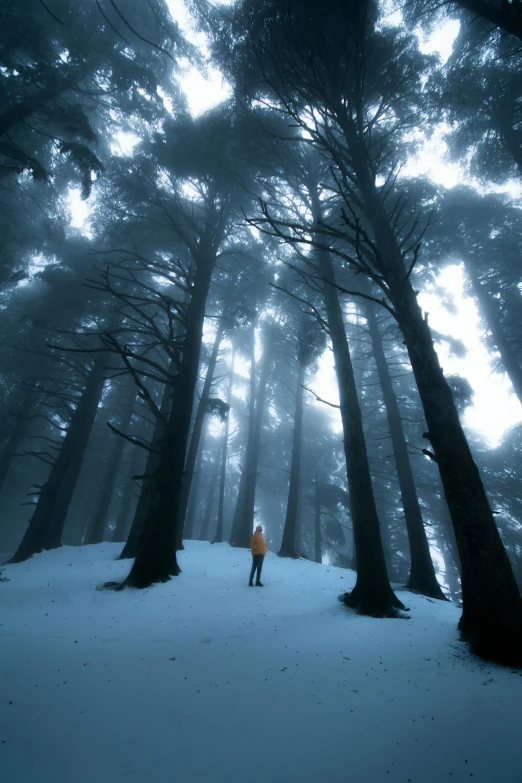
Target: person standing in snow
{"points": [[259, 549]]}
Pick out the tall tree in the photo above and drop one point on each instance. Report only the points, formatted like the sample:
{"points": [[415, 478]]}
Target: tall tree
{"points": [[218, 537], [48, 520], [329, 69], [197, 157], [422, 576], [243, 525], [310, 343], [98, 529]]}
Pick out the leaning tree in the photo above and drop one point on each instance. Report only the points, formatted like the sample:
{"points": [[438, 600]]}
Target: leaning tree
{"points": [[354, 88]]}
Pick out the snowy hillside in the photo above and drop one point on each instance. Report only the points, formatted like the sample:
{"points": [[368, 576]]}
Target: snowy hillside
{"points": [[206, 679]]}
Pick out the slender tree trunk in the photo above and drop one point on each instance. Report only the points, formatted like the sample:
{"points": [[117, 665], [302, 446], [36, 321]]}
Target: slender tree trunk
{"points": [[492, 607], [203, 535], [372, 593], [238, 513], [96, 534], [289, 547], [450, 570], [23, 416], [252, 456], [122, 520], [444, 518], [156, 559], [490, 311], [48, 520], [422, 576], [317, 521], [194, 494], [131, 547], [190, 461], [240, 500], [218, 538]]}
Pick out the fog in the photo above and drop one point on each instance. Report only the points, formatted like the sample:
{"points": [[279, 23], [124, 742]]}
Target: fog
{"points": [[260, 266]]}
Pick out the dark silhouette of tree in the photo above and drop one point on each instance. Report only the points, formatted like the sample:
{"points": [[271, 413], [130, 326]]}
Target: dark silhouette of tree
{"points": [[218, 537], [310, 342], [503, 14], [422, 573], [243, 524], [325, 80]]}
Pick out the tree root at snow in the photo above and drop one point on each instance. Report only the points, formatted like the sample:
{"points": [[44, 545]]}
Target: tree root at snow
{"points": [[435, 595], [371, 607], [493, 641]]}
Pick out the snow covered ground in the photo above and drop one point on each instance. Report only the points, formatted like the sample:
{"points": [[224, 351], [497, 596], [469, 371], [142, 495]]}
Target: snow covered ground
{"points": [[207, 679]]}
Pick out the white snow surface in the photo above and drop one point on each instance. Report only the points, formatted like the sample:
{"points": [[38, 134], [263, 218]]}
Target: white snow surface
{"points": [[206, 679]]}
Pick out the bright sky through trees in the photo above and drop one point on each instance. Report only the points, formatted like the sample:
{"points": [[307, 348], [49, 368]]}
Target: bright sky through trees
{"points": [[495, 408]]}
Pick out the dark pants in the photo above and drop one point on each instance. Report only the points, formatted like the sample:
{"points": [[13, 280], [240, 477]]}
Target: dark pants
{"points": [[257, 564]]}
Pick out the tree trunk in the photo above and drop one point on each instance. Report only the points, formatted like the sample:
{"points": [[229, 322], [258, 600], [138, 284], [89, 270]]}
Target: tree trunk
{"points": [[190, 461], [444, 518], [48, 520], [218, 538], [492, 607], [194, 494], [490, 310], [288, 543], [422, 576], [156, 559], [252, 456], [372, 593], [122, 520], [96, 533], [240, 500], [23, 416], [132, 544], [317, 521], [238, 513], [203, 535]]}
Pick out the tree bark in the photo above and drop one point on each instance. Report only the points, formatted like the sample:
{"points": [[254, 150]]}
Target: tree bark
{"points": [[246, 521], [372, 594], [156, 558], [97, 531], [203, 534], [194, 493], [202, 410], [122, 520], [240, 500], [131, 547], [288, 543], [492, 606], [317, 521], [23, 416], [218, 538], [238, 512], [48, 520], [422, 576]]}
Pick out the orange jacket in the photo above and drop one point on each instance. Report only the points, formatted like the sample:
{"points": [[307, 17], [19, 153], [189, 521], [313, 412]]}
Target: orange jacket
{"points": [[258, 544]]}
